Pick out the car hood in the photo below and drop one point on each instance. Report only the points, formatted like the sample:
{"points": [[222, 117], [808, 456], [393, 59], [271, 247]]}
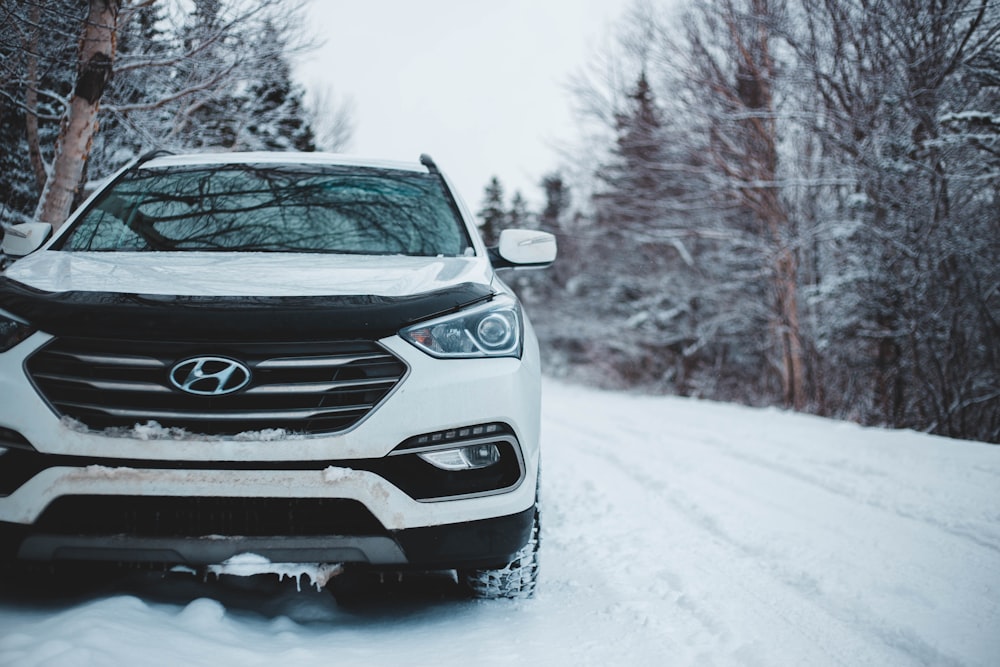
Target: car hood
{"points": [[221, 274], [237, 296]]}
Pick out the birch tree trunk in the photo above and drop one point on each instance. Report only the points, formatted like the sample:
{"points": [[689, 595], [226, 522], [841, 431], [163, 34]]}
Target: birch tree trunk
{"points": [[97, 50]]}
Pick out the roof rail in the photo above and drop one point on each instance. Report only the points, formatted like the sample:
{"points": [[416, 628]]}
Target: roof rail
{"points": [[150, 155], [428, 162]]}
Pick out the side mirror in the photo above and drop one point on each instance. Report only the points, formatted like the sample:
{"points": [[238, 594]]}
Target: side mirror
{"points": [[23, 239], [525, 248]]}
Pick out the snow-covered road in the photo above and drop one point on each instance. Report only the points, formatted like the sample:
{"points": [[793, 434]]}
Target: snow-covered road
{"points": [[675, 532]]}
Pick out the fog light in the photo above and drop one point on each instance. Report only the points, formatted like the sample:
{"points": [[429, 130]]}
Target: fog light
{"points": [[472, 457]]}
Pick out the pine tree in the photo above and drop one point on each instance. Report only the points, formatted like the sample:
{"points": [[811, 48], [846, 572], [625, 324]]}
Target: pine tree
{"points": [[492, 213], [211, 120], [276, 118], [557, 203], [555, 219], [519, 217], [634, 185], [635, 237]]}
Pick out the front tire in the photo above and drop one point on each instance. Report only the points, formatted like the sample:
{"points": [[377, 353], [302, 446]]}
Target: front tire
{"points": [[515, 580]]}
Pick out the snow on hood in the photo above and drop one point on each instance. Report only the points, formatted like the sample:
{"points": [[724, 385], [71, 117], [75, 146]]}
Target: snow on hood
{"points": [[244, 274]]}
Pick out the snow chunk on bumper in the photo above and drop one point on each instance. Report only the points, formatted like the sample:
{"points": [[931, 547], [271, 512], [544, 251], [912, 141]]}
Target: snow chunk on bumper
{"points": [[249, 565]]}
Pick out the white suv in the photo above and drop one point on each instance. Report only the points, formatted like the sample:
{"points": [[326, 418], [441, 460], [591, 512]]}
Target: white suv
{"points": [[298, 356]]}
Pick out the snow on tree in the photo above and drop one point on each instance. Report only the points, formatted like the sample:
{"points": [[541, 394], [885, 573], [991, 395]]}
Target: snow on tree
{"points": [[37, 42], [215, 77], [905, 108], [797, 202], [739, 82], [274, 109]]}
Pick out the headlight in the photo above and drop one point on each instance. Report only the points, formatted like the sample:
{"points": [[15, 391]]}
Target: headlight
{"points": [[490, 330], [12, 331]]}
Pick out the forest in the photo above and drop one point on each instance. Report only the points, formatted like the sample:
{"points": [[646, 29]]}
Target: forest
{"points": [[790, 203]]}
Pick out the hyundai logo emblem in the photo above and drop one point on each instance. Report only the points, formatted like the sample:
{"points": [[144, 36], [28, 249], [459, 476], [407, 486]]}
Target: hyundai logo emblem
{"points": [[209, 376]]}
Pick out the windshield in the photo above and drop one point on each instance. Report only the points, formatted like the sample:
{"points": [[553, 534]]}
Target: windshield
{"points": [[274, 208]]}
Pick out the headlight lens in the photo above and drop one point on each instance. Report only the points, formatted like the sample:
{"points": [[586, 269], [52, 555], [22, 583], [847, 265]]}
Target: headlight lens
{"points": [[12, 331], [490, 330]]}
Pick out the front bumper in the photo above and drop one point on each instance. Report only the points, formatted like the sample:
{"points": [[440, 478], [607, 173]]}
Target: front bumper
{"points": [[484, 543], [436, 395]]}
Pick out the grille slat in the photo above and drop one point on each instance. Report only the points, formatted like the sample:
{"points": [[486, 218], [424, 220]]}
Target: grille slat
{"points": [[106, 385], [318, 361], [227, 416], [137, 362], [320, 387], [315, 387]]}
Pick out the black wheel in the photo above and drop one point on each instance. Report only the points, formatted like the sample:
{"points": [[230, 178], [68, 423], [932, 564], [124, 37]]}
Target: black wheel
{"points": [[515, 580]]}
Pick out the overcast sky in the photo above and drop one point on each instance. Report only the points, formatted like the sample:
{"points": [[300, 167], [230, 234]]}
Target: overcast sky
{"points": [[480, 86]]}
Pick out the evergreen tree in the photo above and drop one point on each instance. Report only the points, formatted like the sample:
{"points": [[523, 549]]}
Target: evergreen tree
{"points": [[276, 118], [212, 119], [634, 184], [637, 238], [519, 217], [492, 213], [555, 219], [557, 203]]}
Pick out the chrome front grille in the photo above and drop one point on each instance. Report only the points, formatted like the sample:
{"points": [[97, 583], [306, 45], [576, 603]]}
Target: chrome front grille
{"points": [[321, 387]]}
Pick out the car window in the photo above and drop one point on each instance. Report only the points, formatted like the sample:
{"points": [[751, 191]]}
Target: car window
{"points": [[273, 208]]}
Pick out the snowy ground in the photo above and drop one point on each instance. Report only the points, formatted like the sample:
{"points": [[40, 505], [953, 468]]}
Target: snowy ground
{"points": [[675, 532]]}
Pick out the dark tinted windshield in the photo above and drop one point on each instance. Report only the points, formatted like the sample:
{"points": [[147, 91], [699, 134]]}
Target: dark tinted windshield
{"points": [[274, 208]]}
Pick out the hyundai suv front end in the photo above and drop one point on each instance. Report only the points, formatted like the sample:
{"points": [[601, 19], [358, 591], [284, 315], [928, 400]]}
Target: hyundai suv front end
{"points": [[299, 356]]}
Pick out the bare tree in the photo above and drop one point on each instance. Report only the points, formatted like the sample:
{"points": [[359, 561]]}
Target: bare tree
{"points": [[732, 67], [903, 90]]}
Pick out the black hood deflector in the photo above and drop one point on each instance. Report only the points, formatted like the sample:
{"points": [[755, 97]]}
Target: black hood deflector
{"points": [[235, 318]]}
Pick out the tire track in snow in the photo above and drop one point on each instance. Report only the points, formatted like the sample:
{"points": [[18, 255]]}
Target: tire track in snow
{"points": [[831, 485], [712, 547], [855, 620]]}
